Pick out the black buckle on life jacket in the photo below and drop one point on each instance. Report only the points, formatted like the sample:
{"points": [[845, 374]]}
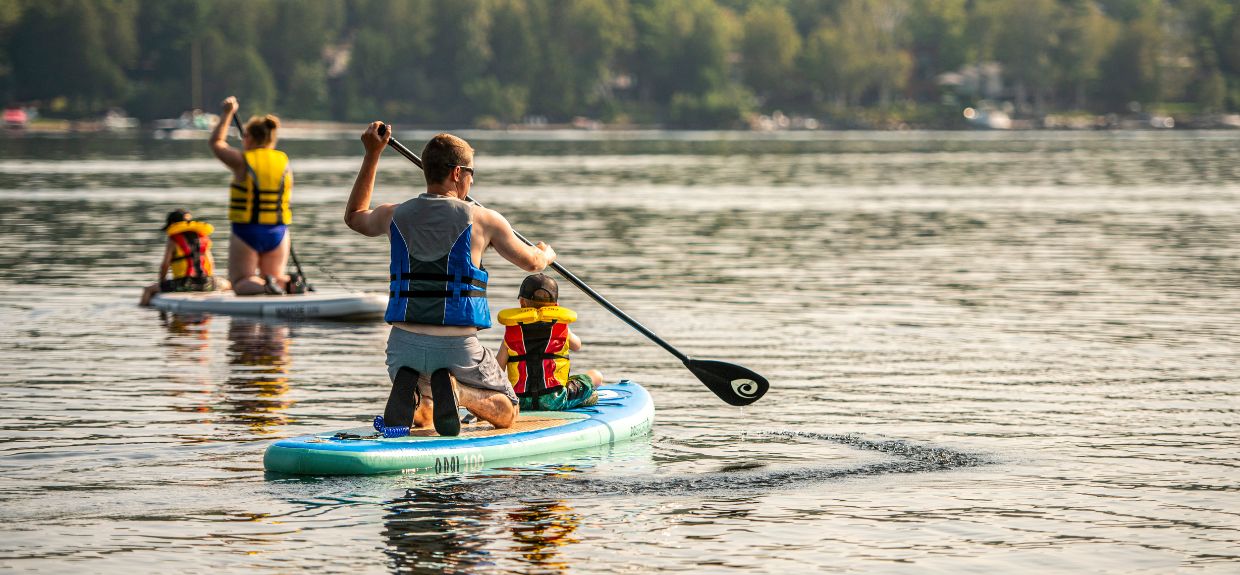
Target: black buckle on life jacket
{"points": [[535, 356], [437, 293], [440, 278]]}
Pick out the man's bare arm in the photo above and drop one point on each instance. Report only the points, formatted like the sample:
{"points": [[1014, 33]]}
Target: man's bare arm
{"points": [[231, 156], [357, 214], [508, 246]]}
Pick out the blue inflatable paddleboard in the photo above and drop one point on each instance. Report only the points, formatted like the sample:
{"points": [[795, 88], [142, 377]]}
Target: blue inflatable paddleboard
{"points": [[624, 410]]}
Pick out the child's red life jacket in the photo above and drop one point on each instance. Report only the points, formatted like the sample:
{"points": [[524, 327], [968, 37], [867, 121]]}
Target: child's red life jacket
{"points": [[190, 243], [537, 341]]}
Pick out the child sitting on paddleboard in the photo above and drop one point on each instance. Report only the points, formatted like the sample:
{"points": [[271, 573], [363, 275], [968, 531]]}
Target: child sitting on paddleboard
{"points": [[535, 351], [187, 256]]}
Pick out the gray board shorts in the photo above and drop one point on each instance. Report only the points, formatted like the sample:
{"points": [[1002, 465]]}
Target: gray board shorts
{"points": [[464, 356]]}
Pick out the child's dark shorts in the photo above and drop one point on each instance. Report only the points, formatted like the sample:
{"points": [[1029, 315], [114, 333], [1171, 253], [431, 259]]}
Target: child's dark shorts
{"points": [[580, 387], [188, 283]]}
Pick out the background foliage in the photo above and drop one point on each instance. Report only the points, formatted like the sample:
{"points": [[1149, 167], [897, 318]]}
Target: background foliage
{"points": [[695, 63]]}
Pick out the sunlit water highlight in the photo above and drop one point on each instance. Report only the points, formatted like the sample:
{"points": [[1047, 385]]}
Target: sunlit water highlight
{"points": [[987, 352]]}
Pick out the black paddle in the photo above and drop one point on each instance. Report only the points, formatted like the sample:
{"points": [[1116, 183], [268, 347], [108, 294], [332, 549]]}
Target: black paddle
{"points": [[733, 384], [293, 254]]}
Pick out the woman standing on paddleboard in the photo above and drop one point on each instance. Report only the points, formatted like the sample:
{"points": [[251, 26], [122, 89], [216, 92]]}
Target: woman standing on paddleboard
{"points": [[258, 206]]}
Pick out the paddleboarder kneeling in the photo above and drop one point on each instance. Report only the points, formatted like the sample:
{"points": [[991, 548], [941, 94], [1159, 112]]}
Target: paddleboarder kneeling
{"points": [[535, 350], [437, 300], [257, 207], [188, 256]]}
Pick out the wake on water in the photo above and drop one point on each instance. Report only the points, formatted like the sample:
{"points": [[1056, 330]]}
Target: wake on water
{"points": [[747, 477]]}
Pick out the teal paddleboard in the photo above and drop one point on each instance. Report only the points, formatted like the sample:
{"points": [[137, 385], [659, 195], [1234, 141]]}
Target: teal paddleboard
{"points": [[624, 410]]}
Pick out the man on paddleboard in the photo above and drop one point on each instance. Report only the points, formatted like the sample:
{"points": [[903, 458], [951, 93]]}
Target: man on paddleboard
{"points": [[437, 300]]}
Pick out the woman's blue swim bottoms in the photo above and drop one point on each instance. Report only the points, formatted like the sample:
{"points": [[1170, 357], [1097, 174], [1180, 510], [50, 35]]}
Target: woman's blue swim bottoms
{"points": [[262, 237]]}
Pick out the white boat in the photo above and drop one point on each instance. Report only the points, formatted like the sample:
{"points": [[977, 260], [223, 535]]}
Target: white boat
{"points": [[312, 305]]}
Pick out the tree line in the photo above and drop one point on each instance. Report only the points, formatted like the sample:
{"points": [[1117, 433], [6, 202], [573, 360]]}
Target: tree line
{"points": [[694, 63]]}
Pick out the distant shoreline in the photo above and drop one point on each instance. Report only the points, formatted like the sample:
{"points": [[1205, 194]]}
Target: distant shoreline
{"points": [[316, 130]]}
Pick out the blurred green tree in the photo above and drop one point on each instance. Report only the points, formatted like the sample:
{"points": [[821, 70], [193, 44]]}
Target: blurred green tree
{"points": [[1024, 37], [78, 50], [682, 46], [770, 48], [292, 45], [858, 51]]}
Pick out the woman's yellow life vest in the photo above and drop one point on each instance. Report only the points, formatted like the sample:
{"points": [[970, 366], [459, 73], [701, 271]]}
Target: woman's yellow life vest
{"points": [[537, 341], [263, 197], [190, 246]]}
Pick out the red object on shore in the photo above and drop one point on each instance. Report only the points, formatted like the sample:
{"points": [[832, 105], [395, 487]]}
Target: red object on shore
{"points": [[15, 118]]}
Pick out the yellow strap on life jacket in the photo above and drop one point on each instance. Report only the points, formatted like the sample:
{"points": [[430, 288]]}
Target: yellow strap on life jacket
{"points": [[524, 315], [181, 227], [263, 197]]}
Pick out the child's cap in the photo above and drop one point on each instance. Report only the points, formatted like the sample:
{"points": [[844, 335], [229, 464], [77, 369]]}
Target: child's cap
{"points": [[177, 215], [540, 288]]}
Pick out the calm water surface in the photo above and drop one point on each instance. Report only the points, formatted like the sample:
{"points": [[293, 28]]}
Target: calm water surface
{"points": [[988, 352]]}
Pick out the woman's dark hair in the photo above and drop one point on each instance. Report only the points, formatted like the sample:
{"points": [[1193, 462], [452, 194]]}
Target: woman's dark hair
{"points": [[262, 130]]}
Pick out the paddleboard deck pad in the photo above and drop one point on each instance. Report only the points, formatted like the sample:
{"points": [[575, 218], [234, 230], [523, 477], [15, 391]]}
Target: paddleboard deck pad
{"points": [[300, 306], [623, 411]]}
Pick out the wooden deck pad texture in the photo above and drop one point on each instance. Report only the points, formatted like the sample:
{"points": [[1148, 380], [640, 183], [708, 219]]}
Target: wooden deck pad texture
{"points": [[483, 429]]}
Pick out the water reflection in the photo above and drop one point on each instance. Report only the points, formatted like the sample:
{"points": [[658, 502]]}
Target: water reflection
{"points": [[540, 529], [189, 337], [259, 360], [188, 347], [433, 531], [445, 529]]}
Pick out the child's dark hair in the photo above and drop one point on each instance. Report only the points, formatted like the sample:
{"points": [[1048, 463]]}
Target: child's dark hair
{"points": [[540, 289], [262, 130], [175, 216]]}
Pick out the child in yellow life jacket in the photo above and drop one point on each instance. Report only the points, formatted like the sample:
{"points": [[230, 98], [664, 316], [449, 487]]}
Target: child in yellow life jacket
{"points": [[535, 351], [188, 256]]}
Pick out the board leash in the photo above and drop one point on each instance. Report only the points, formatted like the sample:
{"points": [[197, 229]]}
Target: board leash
{"points": [[330, 275]]}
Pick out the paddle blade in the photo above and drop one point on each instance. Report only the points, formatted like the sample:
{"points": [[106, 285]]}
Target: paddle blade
{"points": [[732, 383]]}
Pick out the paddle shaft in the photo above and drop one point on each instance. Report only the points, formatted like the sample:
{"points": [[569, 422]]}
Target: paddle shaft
{"points": [[603, 301], [560, 269]]}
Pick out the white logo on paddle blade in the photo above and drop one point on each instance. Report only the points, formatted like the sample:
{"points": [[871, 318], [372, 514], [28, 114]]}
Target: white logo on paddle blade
{"points": [[745, 387]]}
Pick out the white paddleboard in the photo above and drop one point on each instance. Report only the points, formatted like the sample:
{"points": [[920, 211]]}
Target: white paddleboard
{"points": [[312, 305]]}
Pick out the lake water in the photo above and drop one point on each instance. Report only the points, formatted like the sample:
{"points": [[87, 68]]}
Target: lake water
{"points": [[988, 353]]}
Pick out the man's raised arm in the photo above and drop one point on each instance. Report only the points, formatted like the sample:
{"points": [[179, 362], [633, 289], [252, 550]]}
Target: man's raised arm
{"points": [[357, 214], [499, 232]]}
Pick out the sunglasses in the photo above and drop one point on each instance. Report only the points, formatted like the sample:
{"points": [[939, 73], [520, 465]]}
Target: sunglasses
{"points": [[466, 168]]}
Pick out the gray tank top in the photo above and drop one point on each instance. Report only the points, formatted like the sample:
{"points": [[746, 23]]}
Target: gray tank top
{"points": [[431, 224]]}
